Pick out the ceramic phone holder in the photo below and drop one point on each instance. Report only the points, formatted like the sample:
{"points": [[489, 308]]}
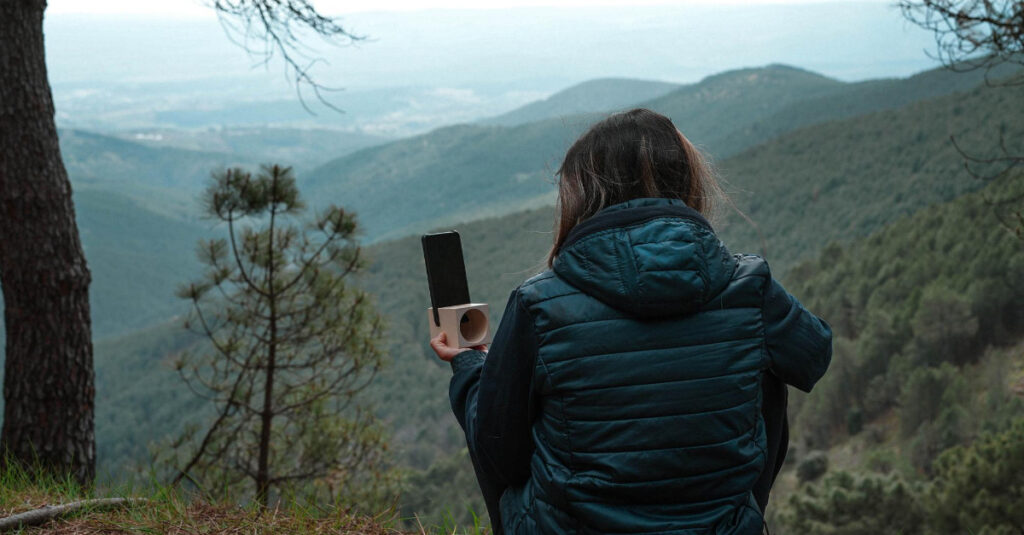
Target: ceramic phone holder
{"points": [[465, 325]]}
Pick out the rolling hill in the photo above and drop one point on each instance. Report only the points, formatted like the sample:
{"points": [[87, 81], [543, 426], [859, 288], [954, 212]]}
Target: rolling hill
{"points": [[163, 179], [603, 94], [465, 172], [851, 100], [137, 257], [707, 112], [843, 179], [470, 171]]}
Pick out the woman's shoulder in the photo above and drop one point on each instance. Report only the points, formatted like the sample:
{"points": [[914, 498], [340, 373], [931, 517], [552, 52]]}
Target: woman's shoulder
{"points": [[750, 265], [542, 287], [543, 275]]}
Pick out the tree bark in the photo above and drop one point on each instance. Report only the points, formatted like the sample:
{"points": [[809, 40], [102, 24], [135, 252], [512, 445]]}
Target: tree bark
{"points": [[48, 379]]}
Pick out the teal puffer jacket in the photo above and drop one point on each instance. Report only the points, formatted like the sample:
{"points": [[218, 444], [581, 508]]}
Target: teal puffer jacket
{"points": [[652, 339]]}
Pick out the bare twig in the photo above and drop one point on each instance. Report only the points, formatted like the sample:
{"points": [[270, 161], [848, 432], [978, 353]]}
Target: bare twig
{"points": [[973, 34], [1005, 160], [276, 28], [38, 517]]}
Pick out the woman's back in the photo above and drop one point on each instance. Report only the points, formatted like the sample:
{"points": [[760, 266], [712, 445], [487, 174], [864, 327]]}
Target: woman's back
{"points": [[623, 390], [651, 349]]}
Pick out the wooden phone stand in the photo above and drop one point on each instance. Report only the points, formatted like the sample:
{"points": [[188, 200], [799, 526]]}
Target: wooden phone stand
{"points": [[464, 325]]}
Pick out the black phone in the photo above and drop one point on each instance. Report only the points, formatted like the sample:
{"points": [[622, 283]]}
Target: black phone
{"points": [[446, 270]]}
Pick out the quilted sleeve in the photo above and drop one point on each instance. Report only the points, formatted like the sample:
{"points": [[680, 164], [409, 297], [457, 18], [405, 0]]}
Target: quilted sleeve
{"points": [[799, 343]]}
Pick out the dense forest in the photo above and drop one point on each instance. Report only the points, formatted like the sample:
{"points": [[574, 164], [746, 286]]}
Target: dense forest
{"points": [[929, 359]]}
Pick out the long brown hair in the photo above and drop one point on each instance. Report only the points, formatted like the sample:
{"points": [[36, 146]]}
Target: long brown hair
{"points": [[629, 155]]}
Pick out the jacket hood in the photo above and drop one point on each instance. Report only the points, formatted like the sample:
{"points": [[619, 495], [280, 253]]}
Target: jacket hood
{"points": [[647, 257]]}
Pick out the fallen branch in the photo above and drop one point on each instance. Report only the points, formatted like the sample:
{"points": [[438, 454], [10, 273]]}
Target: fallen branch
{"points": [[37, 517]]}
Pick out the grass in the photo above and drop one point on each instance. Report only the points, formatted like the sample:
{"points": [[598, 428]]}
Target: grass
{"points": [[166, 510]]}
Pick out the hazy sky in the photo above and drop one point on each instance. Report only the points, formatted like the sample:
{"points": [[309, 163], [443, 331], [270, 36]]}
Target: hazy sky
{"points": [[119, 61], [197, 8], [111, 55]]}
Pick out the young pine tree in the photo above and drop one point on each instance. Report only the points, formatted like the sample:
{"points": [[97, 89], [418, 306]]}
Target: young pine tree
{"points": [[290, 343]]}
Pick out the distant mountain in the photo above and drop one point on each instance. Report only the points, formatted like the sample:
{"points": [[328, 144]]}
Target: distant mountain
{"points": [[163, 179], [603, 94], [464, 172], [710, 111], [469, 171], [451, 174], [139, 220], [851, 100]]}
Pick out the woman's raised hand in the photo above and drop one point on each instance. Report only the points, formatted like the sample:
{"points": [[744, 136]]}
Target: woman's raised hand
{"points": [[445, 352]]}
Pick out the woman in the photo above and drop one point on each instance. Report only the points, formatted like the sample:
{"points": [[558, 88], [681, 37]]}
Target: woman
{"points": [[628, 387]]}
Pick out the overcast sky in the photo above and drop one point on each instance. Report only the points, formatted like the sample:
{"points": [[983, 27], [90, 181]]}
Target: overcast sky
{"points": [[198, 8], [537, 46], [104, 55]]}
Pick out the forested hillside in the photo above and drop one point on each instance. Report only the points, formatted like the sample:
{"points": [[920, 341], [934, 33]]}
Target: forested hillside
{"points": [[465, 172], [137, 257], [851, 100], [165, 180], [139, 221], [846, 178], [929, 356]]}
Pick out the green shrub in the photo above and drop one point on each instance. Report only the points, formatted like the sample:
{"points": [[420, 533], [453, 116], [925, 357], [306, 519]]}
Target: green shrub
{"points": [[927, 393], [979, 488], [813, 466], [854, 420], [944, 326], [847, 504]]}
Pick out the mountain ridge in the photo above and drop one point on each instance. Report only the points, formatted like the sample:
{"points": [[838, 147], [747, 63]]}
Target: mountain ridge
{"points": [[435, 178], [595, 95]]}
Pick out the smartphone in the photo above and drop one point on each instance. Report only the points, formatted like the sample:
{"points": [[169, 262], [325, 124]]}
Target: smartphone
{"points": [[446, 270]]}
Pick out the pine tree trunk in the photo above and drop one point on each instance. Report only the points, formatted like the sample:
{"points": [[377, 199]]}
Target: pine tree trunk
{"points": [[48, 381], [267, 418]]}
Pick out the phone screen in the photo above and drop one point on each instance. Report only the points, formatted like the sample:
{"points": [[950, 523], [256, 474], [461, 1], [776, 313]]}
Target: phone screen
{"points": [[446, 269]]}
